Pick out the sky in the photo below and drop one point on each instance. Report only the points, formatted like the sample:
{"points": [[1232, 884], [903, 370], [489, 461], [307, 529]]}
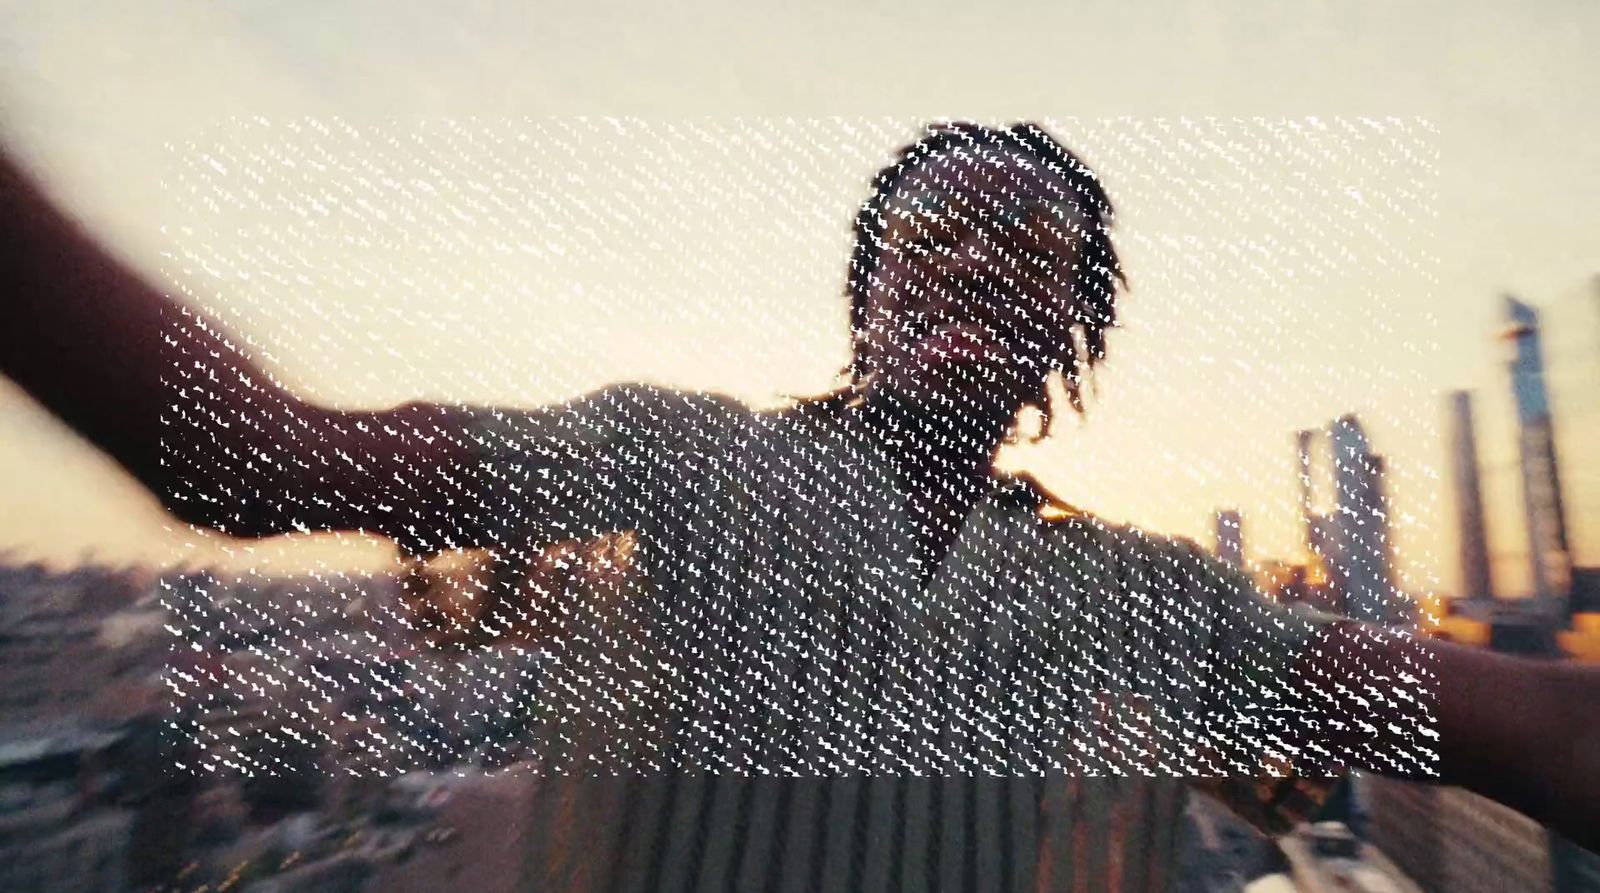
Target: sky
{"points": [[1320, 210]]}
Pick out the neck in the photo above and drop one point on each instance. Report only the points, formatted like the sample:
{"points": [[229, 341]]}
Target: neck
{"points": [[929, 444], [945, 464]]}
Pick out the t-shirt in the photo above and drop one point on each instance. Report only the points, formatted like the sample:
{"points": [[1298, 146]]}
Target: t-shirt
{"points": [[781, 703]]}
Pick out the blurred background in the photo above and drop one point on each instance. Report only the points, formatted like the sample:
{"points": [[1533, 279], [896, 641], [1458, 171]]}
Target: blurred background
{"points": [[1361, 247]]}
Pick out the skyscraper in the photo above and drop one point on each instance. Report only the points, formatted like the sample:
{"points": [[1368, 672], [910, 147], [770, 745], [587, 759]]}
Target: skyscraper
{"points": [[1473, 544], [1549, 556], [1361, 525], [1308, 515], [1230, 537]]}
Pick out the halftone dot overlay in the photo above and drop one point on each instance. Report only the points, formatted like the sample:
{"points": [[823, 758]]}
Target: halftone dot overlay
{"points": [[663, 567]]}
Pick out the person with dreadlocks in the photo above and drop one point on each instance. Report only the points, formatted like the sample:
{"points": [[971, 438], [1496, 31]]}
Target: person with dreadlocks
{"points": [[860, 658]]}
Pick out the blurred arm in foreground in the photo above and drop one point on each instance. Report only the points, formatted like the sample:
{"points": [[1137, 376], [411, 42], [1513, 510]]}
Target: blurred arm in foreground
{"points": [[153, 384], [1523, 732], [1319, 694]]}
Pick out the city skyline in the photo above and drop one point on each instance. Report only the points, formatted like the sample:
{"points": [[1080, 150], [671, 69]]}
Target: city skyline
{"points": [[1436, 541], [1542, 491], [1174, 371]]}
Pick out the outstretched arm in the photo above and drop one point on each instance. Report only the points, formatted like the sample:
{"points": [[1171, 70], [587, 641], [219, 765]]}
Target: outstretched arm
{"points": [[1523, 732], [172, 399], [1342, 694]]}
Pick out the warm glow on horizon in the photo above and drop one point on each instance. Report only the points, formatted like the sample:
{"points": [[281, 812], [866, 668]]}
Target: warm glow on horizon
{"points": [[1285, 269]]}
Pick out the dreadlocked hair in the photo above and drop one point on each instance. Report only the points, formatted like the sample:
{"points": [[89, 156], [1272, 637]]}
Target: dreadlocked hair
{"points": [[1095, 287]]}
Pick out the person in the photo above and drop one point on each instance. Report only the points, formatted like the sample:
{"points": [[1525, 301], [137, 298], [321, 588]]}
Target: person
{"points": [[863, 658]]}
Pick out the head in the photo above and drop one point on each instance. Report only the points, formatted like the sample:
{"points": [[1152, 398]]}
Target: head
{"points": [[982, 264]]}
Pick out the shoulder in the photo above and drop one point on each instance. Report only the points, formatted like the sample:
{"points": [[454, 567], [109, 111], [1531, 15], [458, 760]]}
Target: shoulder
{"points": [[1088, 534], [654, 409], [616, 413], [1053, 514]]}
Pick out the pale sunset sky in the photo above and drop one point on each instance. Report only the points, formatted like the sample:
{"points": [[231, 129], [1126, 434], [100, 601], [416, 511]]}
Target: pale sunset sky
{"points": [[1321, 207]]}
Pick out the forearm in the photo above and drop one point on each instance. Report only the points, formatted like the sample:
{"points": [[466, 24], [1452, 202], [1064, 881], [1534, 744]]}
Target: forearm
{"points": [[1524, 733], [248, 465], [134, 372], [407, 473], [169, 396]]}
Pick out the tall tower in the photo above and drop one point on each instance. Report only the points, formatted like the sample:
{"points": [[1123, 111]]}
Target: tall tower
{"points": [[1361, 525], [1308, 515], [1476, 581], [1549, 556], [1230, 537], [1595, 282]]}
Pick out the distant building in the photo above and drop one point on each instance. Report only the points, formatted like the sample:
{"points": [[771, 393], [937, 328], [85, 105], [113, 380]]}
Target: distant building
{"points": [[1582, 641], [1230, 537], [1549, 554], [1289, 582], [1322, 545], [1585, 590], [1472, 538], [1363, 557], [1595, 282], [1525, 626], [1348, 563], [1308, 515]]}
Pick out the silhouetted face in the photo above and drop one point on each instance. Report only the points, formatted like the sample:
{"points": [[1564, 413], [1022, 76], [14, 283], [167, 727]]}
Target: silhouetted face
{"points": [[974, 297]]}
